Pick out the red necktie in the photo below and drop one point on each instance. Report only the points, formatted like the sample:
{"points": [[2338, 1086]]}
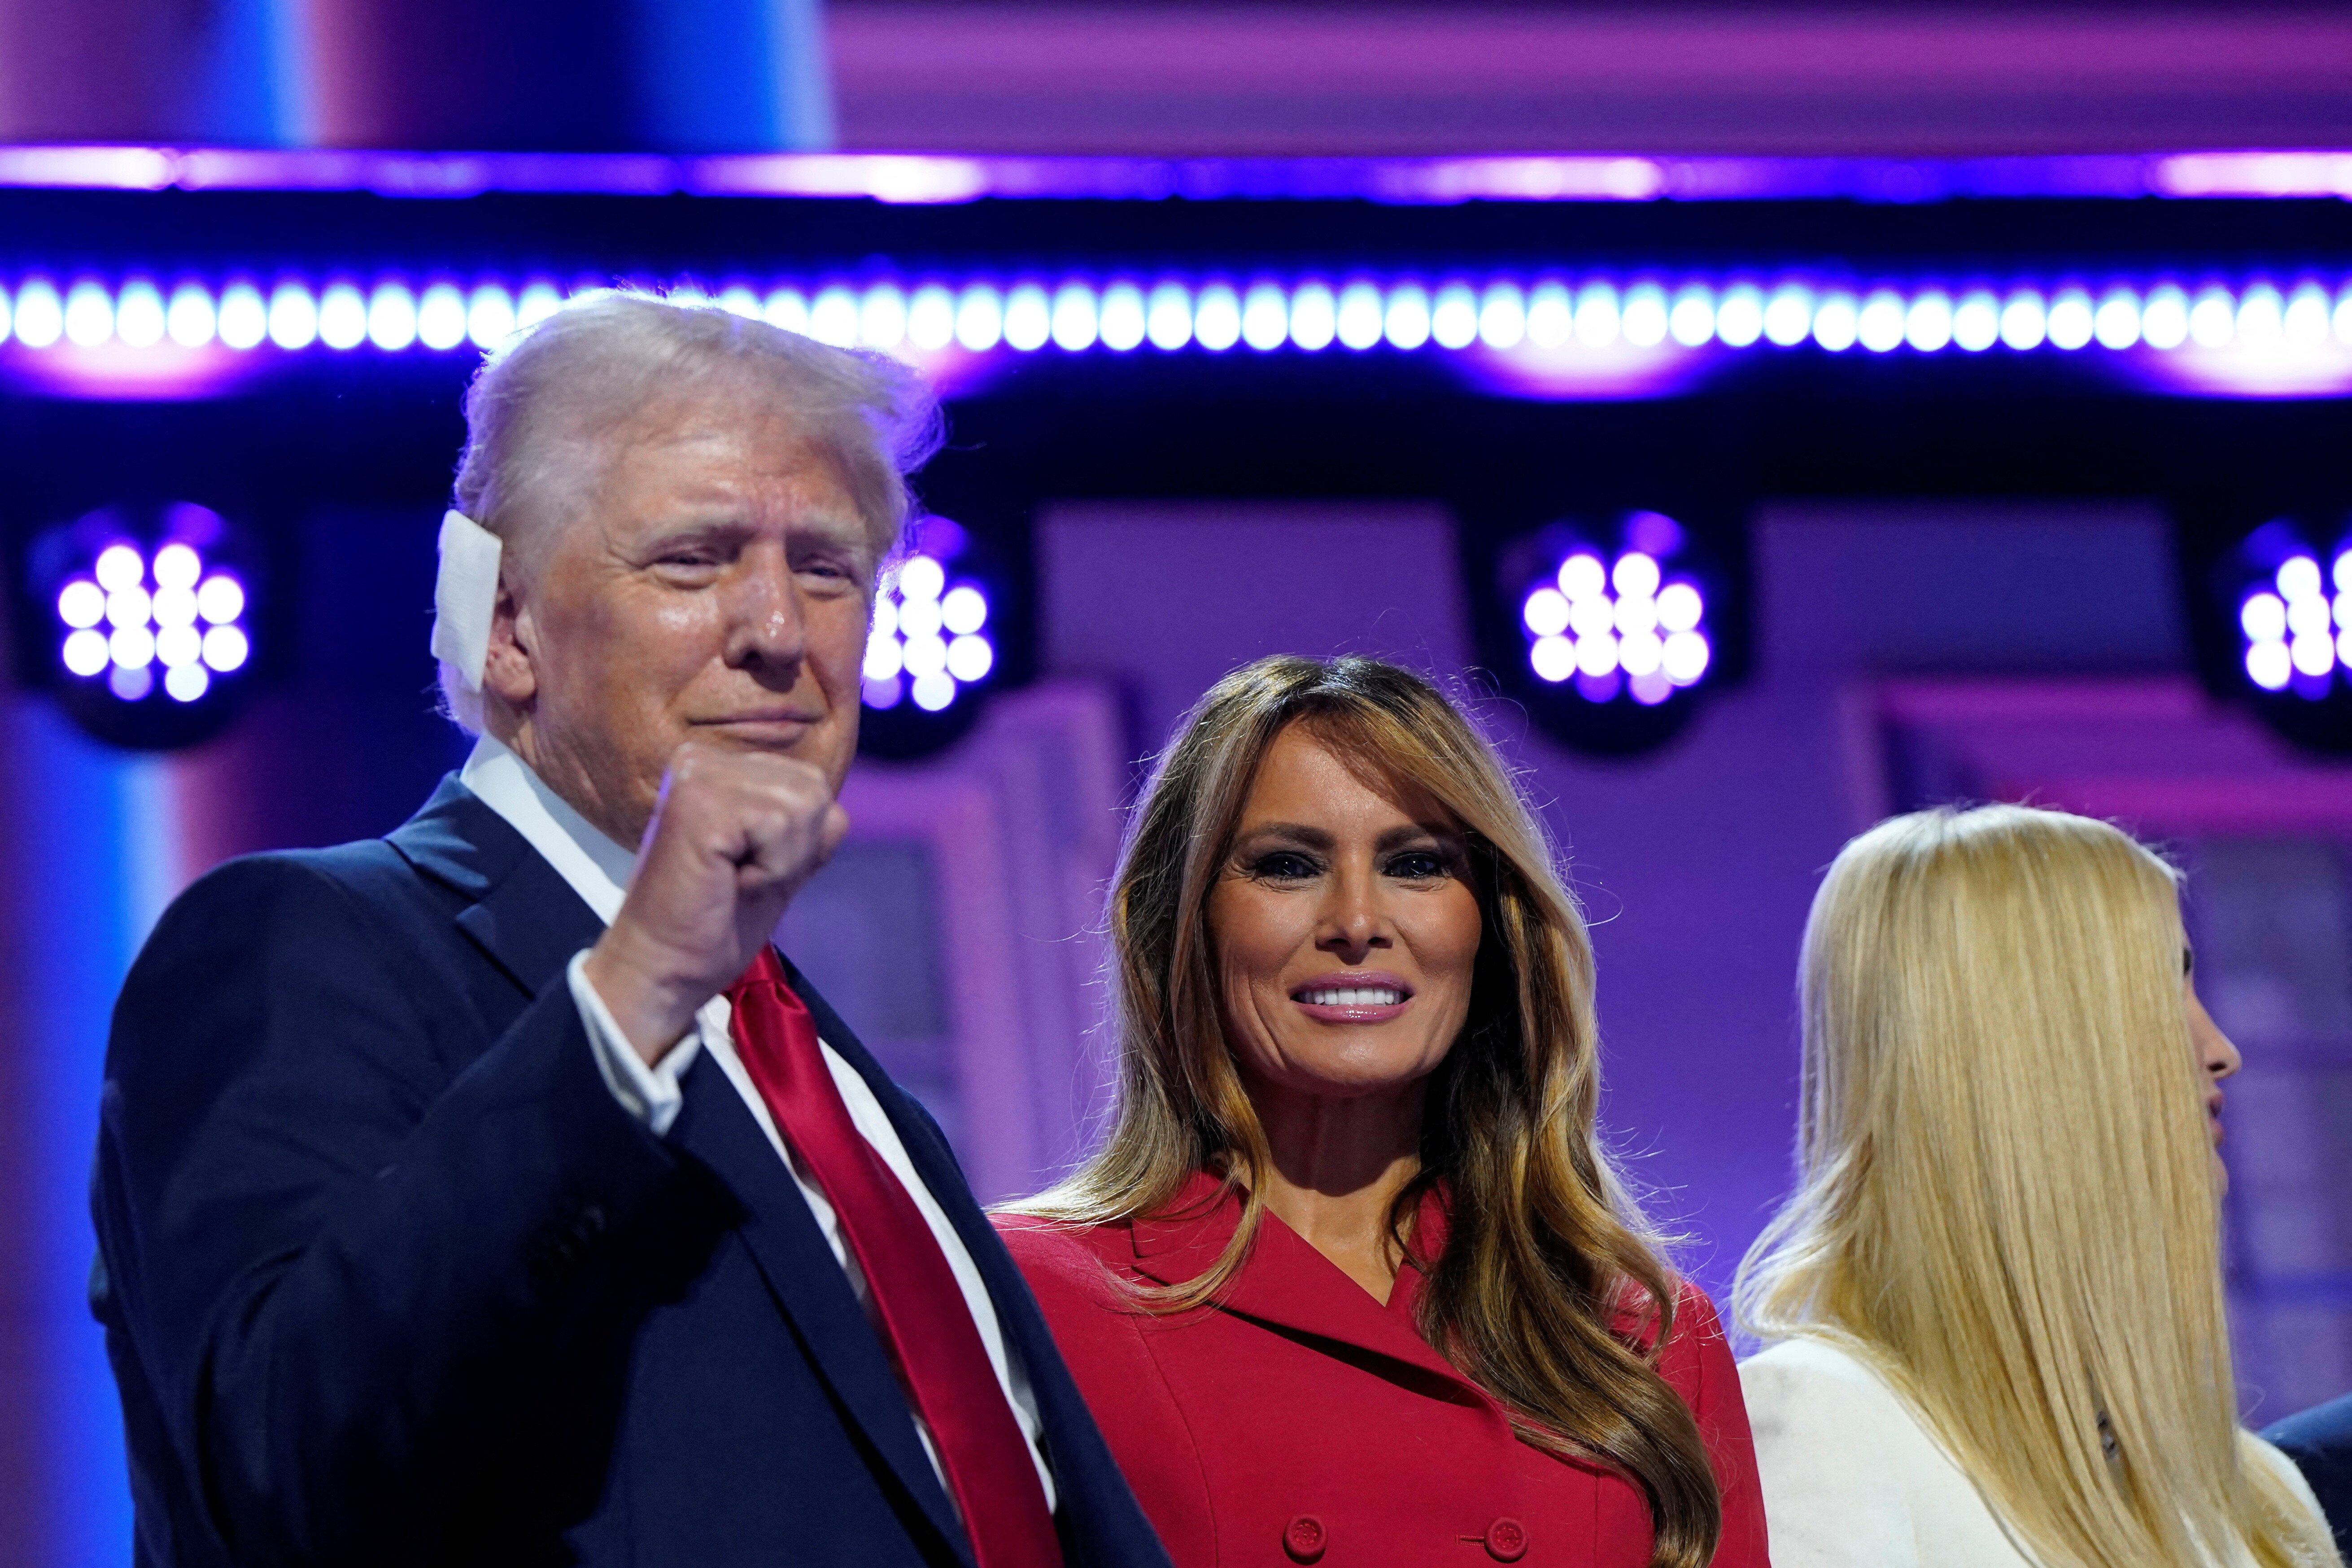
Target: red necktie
{"points": [[927, 1326]]}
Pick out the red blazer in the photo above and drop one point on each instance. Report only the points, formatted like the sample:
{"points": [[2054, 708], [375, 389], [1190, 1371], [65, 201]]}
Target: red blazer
{"points": [[1301, 1421]]}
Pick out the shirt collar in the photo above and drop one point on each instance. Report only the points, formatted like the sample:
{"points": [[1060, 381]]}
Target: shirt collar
{"points": [[591, 864]]}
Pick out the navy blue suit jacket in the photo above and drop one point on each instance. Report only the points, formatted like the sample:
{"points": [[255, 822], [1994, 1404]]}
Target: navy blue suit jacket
{"points": [[389, 1276], [2319, 1441]]}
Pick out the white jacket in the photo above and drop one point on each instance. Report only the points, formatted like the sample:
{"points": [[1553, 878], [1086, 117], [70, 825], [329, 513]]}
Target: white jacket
{"points": [[1852, 1480]]}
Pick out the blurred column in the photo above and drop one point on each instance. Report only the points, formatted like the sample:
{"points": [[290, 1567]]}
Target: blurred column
{"points": [[680, 76], [91, 839], [147, 71]]}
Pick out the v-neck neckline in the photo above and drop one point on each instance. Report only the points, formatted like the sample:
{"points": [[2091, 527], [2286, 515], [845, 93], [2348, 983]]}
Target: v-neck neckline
{"points": [[1285, 1281]]}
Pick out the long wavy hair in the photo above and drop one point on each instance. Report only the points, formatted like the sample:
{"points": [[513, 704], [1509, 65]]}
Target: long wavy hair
{"points": [[1550, 1292], [2007, 1205]]}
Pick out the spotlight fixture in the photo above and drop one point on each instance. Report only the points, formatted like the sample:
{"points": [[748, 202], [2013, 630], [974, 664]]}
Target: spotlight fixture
{"points": [[1615, 627], [933, 646], [2286, 593], [144, 622], [1620, 627], [2298, 631]]}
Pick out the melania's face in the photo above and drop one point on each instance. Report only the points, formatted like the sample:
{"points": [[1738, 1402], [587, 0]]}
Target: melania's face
{"points": [[1345, 928]]}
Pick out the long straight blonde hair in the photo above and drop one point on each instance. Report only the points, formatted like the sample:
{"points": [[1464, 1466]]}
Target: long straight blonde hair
{"points": [[2007, 1203], [1547, 1257]]}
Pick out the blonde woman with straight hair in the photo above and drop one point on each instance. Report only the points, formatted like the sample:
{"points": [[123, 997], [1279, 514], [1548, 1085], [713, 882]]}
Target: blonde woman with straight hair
{"points": [[1997, 1289], [1353, 1279]]}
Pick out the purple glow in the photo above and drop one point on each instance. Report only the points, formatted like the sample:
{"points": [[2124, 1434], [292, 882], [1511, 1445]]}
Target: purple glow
{"points": [[2283, 174], [2274, 369], [1577, 371], [1412, 182], [117, 371]]}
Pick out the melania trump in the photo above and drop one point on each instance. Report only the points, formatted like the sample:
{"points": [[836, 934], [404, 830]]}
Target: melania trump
{"points": [[1353, 1279]]}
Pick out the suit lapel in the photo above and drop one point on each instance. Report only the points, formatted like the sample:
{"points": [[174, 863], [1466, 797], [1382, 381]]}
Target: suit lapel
{"points": [[718, 1129], [520, 911]]}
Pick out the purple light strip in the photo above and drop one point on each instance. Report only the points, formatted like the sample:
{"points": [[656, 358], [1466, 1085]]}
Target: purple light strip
{"points": [[161, 333], [934, 177], [982, 310]]}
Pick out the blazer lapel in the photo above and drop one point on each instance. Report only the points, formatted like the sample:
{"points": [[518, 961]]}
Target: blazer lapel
{"points": [[1287, 1284], [522, 914], [718, 1129]]}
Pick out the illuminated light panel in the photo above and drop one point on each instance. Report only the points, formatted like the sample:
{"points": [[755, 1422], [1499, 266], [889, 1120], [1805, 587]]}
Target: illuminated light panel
{"points": [[2295, 635], [928, 640], [1622, 627], [129, 615], [2294, 331]]}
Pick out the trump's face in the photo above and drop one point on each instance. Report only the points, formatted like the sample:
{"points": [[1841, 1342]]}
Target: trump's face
{"points": [[714, 584], [1346, 930]]}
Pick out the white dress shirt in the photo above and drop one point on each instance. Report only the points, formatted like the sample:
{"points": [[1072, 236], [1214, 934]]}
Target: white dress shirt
{"points": [[598, 870], [1852, 1480]]}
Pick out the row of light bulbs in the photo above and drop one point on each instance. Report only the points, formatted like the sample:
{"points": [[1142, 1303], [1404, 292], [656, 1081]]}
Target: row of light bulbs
{"points": [[1075, 316]]}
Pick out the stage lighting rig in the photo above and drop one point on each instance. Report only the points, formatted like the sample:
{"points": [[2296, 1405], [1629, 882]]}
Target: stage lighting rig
{"points": [[1610, 627], [2284, 596], [140, 621], [933, 644]]}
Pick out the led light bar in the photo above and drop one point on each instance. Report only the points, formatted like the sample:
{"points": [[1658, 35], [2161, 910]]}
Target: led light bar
{"points": [[1125, 314], [931, 178]]}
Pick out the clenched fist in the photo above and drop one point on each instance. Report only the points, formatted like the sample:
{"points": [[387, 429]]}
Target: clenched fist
{"points": [[733, 837]]}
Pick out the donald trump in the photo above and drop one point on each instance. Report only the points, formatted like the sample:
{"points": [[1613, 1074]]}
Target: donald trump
{"points": [[494, 1192]]}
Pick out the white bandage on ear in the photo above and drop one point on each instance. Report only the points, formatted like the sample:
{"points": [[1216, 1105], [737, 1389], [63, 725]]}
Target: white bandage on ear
{"points": [[466, 596]]}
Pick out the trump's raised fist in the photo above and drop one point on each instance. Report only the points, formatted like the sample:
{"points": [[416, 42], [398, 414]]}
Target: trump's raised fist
{"points": [[733, 837]]}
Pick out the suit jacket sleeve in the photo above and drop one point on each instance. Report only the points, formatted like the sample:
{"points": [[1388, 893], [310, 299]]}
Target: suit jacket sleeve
{"points": [[345, 1248]]}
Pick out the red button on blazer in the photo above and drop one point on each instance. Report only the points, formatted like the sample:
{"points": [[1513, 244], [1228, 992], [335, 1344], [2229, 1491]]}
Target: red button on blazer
{"points": [[1300, 1386], [1507, 1541]]}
